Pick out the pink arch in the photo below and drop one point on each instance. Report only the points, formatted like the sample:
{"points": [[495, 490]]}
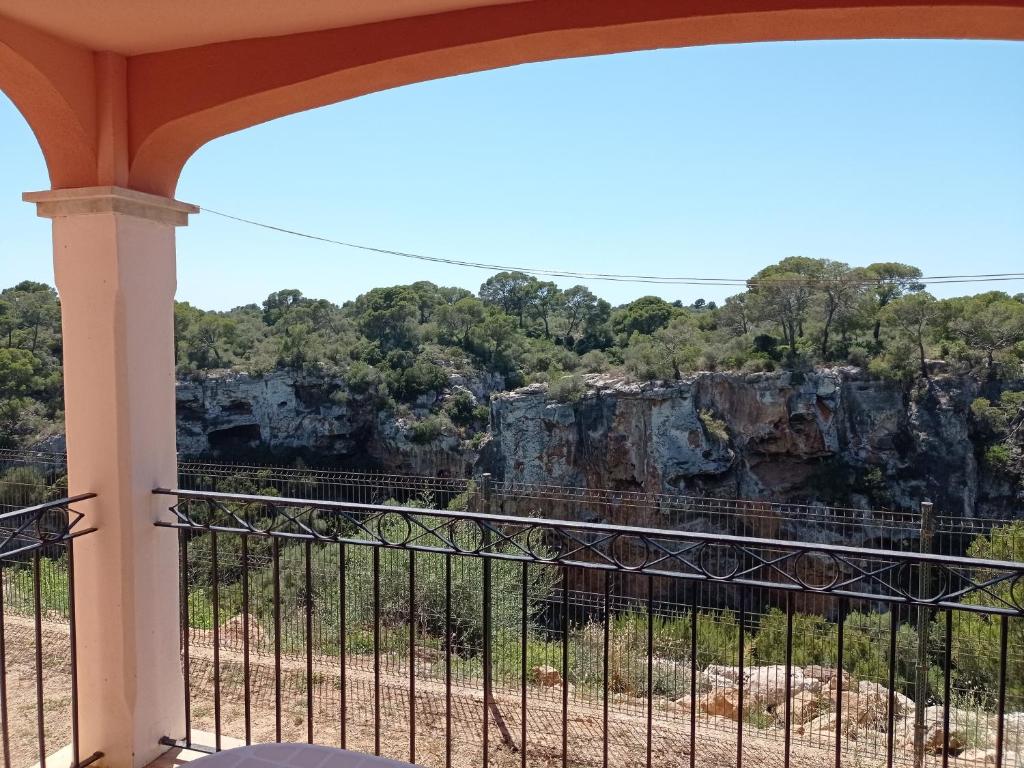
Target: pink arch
{"points": [[232, 86], [101, 118], [52, 85]]}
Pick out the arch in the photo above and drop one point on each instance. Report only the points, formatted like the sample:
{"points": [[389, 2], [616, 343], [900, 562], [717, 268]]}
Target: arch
{"points": [[179, 100], [52, 85]]}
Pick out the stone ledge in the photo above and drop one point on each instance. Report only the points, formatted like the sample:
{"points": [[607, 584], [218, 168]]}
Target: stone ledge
{"points": [[84, 201]]}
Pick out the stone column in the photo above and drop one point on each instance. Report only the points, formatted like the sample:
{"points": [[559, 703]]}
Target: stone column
{"points": [[113, 252]]}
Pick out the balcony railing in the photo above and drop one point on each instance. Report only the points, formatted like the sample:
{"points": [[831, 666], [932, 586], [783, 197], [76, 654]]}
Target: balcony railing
{"points": [[450, 637], [39, 696]]}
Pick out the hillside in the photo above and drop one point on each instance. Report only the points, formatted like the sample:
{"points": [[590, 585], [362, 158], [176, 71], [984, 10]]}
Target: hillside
{"points": [[409, 377]]}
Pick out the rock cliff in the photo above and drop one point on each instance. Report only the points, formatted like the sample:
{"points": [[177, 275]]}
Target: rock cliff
{"points": [[286, 414], [833, 436]]}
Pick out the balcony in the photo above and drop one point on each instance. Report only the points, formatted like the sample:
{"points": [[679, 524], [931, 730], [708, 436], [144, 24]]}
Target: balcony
{"points": [[118, 98], [474, 635]]}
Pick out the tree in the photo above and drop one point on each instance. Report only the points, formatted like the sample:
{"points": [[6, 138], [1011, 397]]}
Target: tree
{"points": [[455, 321], [783, 298], [511, 291], [19, 369], [427, 299], [541, 302], [990, 322], [34, 307], [841, 290], [209, 335], [495, 336], [735, 314], [664, 353], [645, 315], [579, 304], [185, 316], [388, 316], [913, 315], [279, 303], [8, 322], [891, 280]]}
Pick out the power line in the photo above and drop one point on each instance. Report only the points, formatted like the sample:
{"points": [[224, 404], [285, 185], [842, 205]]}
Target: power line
{"points": [[605, 276]]}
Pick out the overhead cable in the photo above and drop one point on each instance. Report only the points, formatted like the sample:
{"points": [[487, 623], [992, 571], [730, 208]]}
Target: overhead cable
{"points": [[606, 276]]}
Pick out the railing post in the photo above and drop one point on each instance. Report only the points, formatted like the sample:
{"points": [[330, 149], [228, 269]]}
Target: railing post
{"points": [[927, 539], [487, 615]]}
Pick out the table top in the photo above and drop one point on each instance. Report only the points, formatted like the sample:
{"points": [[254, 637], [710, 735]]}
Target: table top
{"points": [[293, 756]]}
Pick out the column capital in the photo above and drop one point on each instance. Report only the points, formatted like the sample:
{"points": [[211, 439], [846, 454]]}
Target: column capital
{"points": [[54, 203]]}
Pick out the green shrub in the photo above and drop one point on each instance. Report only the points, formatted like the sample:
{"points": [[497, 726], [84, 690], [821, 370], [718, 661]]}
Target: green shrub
{"points": [[362, 377], [567, 389], [18, 586], [714, 426], [421, 377], [23, 487], [430, 428], [999, 458], [464, 411], [395, 608], [814, 640], [594, 361]]}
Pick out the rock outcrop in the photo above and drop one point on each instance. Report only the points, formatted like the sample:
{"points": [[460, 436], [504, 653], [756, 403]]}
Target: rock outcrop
{"points": [[286, 414], [832, 436]]}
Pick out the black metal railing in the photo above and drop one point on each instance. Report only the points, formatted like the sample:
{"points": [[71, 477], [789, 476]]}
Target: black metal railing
{"points": [[39, 696], [448, 637]]}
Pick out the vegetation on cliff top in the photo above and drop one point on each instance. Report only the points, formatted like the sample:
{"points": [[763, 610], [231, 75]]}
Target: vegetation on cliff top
{"points": [[397, 343]]}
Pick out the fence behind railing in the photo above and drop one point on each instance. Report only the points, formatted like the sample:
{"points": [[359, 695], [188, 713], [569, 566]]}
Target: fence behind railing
{"points": [[450, 638], [33, 476], [28, 477]]}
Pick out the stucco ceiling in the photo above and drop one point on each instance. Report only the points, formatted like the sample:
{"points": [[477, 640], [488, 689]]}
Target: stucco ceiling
{"points": [[143, 26]]}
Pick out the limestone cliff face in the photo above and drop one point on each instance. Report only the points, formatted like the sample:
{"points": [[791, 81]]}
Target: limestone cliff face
{"points": [[284, 414], [833, 436]]}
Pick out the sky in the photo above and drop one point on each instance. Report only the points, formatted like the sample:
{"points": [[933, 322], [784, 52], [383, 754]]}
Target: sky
{"points": [[703, 162]]}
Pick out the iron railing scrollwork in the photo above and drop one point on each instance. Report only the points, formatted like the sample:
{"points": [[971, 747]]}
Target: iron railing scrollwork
{"points": [[839, 571]]}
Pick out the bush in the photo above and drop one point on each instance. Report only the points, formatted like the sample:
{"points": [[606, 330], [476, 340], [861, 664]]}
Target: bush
{"points": [[594, 361], [362, 377], [395, 606], [814, 640], [18, 586], [429, 429], [23, 487], [567, 389], [463, 410], [999, 458], [714, 426], [717, 643], [420, 378]]}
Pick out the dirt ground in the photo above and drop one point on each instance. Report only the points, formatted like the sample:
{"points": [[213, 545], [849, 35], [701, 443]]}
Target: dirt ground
{"points": [[627, 722], [627, 742], [21, 693]]}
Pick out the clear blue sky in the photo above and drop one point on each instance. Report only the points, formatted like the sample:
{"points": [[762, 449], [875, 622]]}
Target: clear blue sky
{"points": [[705, 161]]}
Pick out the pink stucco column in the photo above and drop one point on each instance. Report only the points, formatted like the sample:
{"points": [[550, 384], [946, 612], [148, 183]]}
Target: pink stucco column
{"points": [[113, 252]]}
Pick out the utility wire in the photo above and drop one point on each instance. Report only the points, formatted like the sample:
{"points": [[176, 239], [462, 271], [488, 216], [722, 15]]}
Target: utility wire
{"points": [[606, 276]]}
